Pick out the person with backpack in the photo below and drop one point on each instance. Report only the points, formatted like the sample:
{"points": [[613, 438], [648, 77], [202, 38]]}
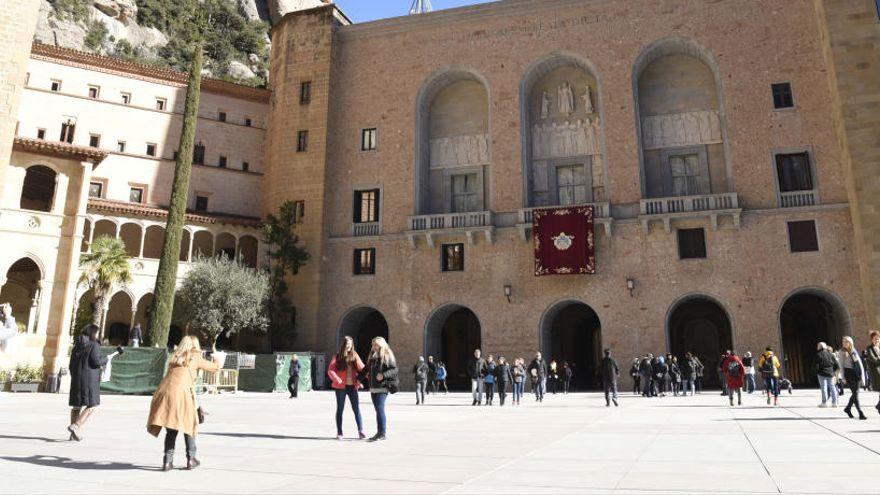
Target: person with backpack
{"points": [[420, 375], [769, 366], [734, 374], [825, 366], [538, 370], [519, 379], [853, 375], [383, 379], [749, 363], [503, 376], [489, 379], [476, 370], [441, 377]]}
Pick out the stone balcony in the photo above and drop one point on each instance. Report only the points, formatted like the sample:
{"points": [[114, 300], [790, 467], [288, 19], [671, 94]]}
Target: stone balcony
{"points": [[798, 199], [469, 224], [366, 229], [711, 206], [601, 215]]}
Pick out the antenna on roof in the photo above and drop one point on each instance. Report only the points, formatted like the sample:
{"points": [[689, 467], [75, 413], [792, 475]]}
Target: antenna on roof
{"points": [[420, 7]]}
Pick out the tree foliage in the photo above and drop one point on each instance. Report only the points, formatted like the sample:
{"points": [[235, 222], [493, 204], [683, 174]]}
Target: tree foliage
{"points": [[103, 269], [286, 257], [219, 295]]}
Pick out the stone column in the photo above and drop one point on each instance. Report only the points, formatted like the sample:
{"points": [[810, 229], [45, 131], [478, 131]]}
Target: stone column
{"points": [[143, 238]]}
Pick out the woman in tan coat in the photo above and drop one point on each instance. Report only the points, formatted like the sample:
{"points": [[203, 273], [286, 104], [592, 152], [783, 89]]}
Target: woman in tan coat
{"points": [[174, 402]]}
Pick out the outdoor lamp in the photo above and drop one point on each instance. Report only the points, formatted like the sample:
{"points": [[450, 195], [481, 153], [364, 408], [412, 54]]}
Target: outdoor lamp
{"points": [[507, 291], [630, 286]]}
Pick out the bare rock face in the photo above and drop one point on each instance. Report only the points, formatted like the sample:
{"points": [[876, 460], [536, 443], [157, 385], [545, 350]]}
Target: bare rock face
{"points": [[147, 38], [54, 31], [277, 8], [240, 71], [124, 11], [254, 10]]}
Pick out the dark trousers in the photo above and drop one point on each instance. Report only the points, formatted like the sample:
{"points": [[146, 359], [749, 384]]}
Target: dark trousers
{"points": [[853, 382], [351, 392], [610, 387], [490, 392], [637, 384], [379, 404], [567, 384], [171, 439], [293, 385], [502, 392]]}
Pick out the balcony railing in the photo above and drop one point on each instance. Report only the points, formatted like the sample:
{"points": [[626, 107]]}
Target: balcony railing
{"points": [[366, 229], [601, 215], [469, 223], [795, 199], [711, 205]]}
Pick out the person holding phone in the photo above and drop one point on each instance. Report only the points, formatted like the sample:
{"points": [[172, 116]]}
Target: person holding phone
{"points": [[86, 362]]}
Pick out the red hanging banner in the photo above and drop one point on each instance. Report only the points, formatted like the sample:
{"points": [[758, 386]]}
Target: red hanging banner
{"points": [[563, 241]]}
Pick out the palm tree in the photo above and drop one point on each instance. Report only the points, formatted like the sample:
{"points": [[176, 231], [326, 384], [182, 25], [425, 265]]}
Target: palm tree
{"points": [[103, 268]]}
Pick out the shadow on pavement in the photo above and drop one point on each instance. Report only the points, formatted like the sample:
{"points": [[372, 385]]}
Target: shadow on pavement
{"points": [[264, 435], [42, 439], [68, 463], [785, 418]]}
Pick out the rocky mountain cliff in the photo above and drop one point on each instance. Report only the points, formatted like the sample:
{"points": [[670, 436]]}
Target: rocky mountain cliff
{"points": [[157, 32]]}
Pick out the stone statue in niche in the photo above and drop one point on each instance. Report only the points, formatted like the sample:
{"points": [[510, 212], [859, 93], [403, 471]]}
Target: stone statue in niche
{"points": [[460, 150], [681, 129], [545, 105], [566, 99], [588, 100]]}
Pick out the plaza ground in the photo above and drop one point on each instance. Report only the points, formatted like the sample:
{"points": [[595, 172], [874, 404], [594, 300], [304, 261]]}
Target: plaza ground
{"points": [[256, 443]]}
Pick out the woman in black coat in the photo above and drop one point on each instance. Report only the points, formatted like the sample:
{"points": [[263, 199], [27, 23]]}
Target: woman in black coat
{"points": [[503, 376], [85, 379]]}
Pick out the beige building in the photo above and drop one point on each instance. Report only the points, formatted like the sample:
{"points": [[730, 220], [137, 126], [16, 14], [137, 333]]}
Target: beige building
{"points": [[727, 148]]}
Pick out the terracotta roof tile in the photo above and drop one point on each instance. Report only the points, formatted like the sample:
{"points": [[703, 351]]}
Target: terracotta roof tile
{"points": [[59, 149], [141, 210]]}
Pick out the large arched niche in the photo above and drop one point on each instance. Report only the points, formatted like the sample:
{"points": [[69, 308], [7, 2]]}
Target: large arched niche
{"points": [[453, 144], [680, 120], [562, 133]]}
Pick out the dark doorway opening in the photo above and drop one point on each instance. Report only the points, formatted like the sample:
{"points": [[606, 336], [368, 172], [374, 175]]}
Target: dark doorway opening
{"points": [[701, 326], [460, 335], [807, 319], [363, 325], [571, 332]]}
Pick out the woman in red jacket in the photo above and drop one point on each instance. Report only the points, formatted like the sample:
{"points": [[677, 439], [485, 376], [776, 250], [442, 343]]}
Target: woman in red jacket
{"points": [[735, 373], [343, 372]]}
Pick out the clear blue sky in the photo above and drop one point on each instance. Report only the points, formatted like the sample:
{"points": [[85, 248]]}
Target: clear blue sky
{"points": [[370, 10]]}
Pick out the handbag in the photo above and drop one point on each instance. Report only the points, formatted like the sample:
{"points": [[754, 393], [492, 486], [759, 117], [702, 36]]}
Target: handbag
{"points": [[201, 413]]}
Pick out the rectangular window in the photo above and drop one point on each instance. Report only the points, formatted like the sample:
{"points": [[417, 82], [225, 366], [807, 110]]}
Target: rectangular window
{"points": [[793, 172], [691, 244], [201, 203], [248, 122], [365, 261], [305, 92], [68, 129], [161, 103], [56, 85], [221, 116], [41, 133], [94, 140], [802, 237], [126, 98], [368, 139], [222, 162], [94, 91], [175, 155], [245, 166], [199, 154], [366, 206], [120, 146], [96, 189], [299, 211], [782, 97], [464, 193], [302, 141], [452, 257], [151, 149], [571, 185], [685, 174], [136, 195]]}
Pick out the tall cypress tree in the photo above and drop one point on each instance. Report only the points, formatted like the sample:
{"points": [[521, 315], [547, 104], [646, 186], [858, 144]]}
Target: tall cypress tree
{"points": [[166, 279]]}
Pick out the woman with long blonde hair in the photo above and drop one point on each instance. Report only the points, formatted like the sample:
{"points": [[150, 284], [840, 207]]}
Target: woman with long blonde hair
{"points": [[343, 371], [384, 379], [174, 402]]}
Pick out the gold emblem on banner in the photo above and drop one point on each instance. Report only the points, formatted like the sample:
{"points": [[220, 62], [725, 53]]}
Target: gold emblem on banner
{"points": [[563, 241]]}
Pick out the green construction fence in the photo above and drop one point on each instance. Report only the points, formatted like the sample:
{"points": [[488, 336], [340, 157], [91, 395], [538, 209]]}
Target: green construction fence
{"points": [[137, 371], [271, 372]]}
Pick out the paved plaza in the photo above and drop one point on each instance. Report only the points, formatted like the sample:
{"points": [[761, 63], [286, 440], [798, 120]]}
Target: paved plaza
{"points": [[265, 443]]}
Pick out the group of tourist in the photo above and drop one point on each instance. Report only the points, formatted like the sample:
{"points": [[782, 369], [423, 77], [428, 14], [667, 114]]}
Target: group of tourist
{"points": [[429, 376]]}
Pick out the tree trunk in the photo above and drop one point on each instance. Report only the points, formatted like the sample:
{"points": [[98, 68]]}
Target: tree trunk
{"points": [[98, 314], [166, 279]]}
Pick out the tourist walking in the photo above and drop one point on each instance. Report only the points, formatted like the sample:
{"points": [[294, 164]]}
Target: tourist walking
{"points": [[343, 373], [688, 374], [636, 377], [8, 328], [721, 373], [86, 361], [661, 374], [853, 374], [420, 375], [476, 369], [838, 377], [553, 377], [567, 375], [769, 366], [825, 366], [872, 363], [519, 379], [441, 377], [674, 375], [173, 406], [432, 376], [749, 363], [503, 377], [646, 371], [734, 375], [610, 373], [538, 372], [135, 335], [489, 379], [384, 380], [293, 377], [701, 369]]}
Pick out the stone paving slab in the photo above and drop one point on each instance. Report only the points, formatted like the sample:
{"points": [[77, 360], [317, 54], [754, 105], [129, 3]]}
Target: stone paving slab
{"points": [[266, 443]]}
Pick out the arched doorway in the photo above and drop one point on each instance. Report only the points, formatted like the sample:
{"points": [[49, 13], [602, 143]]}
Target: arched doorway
{"points": [[808, 317], [118, 322], [362, 325], [142, 316], [225, 246], [22, 292], [571, 332], [38, 190], [452, 333], [699, 325]]}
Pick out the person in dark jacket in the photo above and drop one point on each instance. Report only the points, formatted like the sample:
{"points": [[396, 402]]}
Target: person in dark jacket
{"points": [[688, 370], [420, 375], [293, 378], [476, 370], [661, 374], [135, 336], [85, 379], [826, 368], [610, 372], [872, 363], [646, 371], [567, 374], [538, 371], [636, 377], [674, 374], [701, 369], [503, 376], [749, 363], [489, 379], [432, 376], [384, 379]]}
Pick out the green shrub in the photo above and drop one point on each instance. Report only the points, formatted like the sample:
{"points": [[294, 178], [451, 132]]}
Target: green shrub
{"points": [[96, 34], [71, 10], [27, 374]]}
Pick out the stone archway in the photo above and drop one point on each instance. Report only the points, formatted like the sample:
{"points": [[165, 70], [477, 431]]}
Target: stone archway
{"points": [[118, 320], [571, 332], [362, 324], [700, 325], [807, 317], [22, 292], [452, 332]]}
